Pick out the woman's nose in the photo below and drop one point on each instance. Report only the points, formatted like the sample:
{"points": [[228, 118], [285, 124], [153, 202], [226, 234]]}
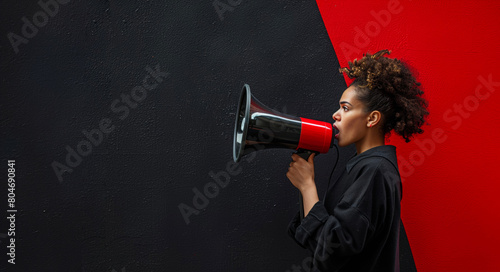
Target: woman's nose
{"points": [[336, 116]]}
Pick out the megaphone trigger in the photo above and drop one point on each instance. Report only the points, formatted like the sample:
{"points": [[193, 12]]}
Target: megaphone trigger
{"points": [[305, 154]]}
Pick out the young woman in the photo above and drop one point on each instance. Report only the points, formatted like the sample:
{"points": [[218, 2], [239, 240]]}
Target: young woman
{"points": [[356, 226]]}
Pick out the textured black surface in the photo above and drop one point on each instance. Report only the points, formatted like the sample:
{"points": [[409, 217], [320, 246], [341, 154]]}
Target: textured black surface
{"points": [[118, 209]]}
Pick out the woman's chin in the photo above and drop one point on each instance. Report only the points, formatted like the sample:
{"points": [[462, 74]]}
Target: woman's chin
{"points": [[342, 143]]}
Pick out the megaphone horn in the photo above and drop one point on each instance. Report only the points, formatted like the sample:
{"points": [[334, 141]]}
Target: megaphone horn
{"points": [[258, 127]]}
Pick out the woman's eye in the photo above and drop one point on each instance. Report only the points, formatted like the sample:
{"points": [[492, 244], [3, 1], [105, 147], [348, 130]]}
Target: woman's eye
{"points": [[345, 108]]}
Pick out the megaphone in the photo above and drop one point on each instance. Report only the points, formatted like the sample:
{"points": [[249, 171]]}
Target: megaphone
{"points": [[258, 127]]}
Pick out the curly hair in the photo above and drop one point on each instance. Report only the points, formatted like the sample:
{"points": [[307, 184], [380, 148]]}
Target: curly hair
{"points": [[387, 85]]}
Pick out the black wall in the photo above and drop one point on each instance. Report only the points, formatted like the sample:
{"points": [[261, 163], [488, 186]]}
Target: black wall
{"points": [[118, 208]]}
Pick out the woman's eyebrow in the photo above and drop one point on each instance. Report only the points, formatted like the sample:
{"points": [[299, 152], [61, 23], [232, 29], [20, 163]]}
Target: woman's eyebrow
{"points": [[345, 102]]}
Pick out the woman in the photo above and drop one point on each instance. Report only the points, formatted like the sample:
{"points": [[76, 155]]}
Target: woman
{"points": [[356, 226]]}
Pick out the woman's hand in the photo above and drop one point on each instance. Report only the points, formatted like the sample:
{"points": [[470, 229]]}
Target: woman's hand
{"points": [[301, 172]]}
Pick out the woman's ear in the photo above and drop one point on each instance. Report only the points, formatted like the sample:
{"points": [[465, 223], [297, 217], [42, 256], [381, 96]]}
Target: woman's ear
{"points": [[373, 118]]}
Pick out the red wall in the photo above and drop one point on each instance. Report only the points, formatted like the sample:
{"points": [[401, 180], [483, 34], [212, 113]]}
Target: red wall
{"points": [[451, 180]]}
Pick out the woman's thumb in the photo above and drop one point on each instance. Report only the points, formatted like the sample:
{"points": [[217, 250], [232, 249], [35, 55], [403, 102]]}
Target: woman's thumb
{"points": [[311, 158]]}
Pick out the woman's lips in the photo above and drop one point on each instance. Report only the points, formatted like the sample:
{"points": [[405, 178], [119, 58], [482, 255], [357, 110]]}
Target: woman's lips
{"points": [[336, 135]]}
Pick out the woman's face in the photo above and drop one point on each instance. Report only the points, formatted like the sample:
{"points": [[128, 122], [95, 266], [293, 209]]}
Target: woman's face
{"points": [[351, 119]]}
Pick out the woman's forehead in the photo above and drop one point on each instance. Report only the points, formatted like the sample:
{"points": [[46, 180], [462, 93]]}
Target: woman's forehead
{"points": [[349, 96]]}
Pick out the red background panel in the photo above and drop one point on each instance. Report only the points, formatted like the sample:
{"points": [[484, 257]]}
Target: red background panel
{"points": [[451, 181]]}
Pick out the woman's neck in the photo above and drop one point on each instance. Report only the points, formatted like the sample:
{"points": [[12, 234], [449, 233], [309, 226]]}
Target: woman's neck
{"points": [[371, 140]]}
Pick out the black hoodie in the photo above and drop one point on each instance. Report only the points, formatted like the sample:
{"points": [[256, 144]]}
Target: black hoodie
{"points": [[356, 226]]}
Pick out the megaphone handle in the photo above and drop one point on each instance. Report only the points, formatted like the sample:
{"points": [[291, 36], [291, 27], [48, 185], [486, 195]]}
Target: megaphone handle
{"points": [[305, 155]]}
